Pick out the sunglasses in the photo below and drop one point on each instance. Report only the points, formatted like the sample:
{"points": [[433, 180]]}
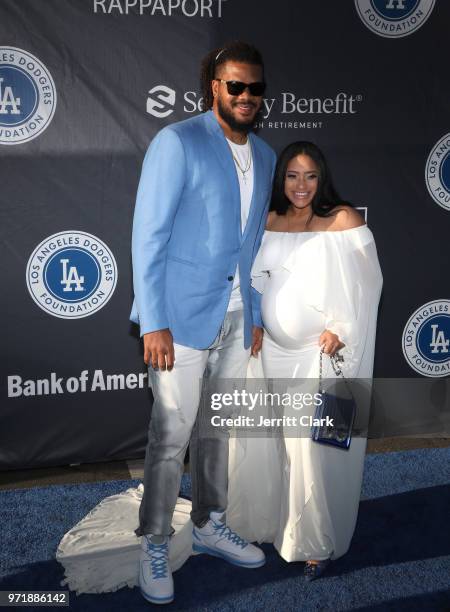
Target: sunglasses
{"points": [[235, 88]]}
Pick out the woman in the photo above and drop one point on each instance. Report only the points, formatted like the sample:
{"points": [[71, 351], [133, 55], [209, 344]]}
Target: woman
{"points": [[318, 272]]}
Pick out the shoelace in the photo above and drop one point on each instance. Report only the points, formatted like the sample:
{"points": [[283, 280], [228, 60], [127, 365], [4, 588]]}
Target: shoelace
{"points": [[158, 554], [225, 532]]}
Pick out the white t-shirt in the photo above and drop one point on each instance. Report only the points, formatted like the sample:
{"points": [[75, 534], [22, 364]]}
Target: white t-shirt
{"points": [[243, 154]]}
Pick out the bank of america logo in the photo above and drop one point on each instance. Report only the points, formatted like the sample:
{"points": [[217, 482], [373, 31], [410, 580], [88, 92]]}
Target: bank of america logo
{"points": [[71, 274]]}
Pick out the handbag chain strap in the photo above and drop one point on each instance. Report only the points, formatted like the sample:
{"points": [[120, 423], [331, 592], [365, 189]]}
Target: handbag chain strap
{"points": [[335, 365]]}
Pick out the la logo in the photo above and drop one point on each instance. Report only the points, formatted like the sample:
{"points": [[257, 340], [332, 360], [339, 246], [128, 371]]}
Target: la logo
{"points": [[70, 277], [7, 99], [399, 4], [438, 342]]}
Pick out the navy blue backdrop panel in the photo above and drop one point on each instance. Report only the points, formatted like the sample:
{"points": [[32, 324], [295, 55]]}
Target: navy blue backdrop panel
{"points": [[84, 87]]}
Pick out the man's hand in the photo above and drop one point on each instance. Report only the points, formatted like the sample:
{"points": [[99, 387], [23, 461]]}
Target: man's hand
{"points": [[330, 342], [257, 338], [158, 349]]}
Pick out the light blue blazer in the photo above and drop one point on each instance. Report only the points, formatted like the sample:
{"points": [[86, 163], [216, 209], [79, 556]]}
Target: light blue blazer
{"points": [[187, 236]]}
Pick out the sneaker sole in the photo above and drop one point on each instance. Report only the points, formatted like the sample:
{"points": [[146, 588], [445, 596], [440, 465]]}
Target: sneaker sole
{"points": [[157, 600], [215, 553]]}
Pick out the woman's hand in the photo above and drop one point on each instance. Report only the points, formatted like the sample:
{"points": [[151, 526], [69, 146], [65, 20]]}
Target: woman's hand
{"points": [[257, 338], [330, 343]]}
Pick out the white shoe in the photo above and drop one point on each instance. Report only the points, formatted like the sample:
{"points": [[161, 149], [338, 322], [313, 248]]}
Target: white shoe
{"points": [[155, 577], [216, 539]]}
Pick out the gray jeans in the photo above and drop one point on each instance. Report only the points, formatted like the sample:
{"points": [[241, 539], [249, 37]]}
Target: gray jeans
{"points": [[176, 420]]}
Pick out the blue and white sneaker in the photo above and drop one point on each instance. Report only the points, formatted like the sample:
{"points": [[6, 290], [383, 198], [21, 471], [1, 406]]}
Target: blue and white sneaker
{"points": [[218, 540], [155, 577]]}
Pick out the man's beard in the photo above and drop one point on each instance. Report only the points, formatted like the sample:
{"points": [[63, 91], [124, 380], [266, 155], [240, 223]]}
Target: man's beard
{"points": [[236, 126]]}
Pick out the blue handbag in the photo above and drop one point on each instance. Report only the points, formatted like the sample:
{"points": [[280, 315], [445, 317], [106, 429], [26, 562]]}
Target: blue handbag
{"points": [[336, 414]]}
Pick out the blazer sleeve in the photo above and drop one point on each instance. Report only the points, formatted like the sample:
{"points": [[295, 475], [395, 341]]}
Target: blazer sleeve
{"points": [[158, 197]]}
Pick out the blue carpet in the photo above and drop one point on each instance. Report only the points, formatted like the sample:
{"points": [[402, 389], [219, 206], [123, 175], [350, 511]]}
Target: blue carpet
{"points": [[399, 559]]}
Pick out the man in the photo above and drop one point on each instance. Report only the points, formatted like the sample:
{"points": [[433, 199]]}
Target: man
{"points": [[200, 214]]}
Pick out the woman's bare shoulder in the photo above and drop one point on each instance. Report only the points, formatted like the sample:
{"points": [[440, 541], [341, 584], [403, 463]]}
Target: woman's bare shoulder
{"points": [[346, 217], [272, 219]]}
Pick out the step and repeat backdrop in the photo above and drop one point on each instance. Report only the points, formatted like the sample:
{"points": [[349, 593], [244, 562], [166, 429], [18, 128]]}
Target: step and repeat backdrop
{"points": [[84, 87]]}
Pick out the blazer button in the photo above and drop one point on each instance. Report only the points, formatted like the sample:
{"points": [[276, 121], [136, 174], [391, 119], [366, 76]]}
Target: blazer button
{"points": [[230, 278]]}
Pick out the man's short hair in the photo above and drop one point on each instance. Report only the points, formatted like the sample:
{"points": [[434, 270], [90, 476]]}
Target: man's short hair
{"points": [[234, 51]]}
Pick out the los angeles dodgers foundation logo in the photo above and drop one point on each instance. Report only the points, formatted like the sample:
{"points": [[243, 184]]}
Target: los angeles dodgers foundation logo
{"points": [[71, 275], [27, 96], [394, 18], [437, 172], [426, 339]]}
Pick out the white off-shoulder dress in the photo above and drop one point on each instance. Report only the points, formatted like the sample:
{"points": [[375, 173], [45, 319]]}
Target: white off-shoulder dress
{"points": [[301, 495]]}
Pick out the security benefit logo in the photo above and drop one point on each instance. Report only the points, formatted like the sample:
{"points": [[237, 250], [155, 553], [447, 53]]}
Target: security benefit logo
{"points": [[71, 275], [426, 339], [394, 18], [27, 96], [437, 172], [295, 111], [161, 101]]}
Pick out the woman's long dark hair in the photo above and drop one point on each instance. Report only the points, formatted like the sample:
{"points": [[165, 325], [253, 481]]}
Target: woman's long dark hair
{"points": [[326, 197]]}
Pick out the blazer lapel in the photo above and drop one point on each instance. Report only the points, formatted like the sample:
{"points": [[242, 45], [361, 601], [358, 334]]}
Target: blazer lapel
{"points": [[223, 153], [257, 182]]}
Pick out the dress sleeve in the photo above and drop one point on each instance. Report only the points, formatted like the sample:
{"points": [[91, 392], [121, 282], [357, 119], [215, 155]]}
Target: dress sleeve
{"points": [[260, 272], [352, 296]]}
